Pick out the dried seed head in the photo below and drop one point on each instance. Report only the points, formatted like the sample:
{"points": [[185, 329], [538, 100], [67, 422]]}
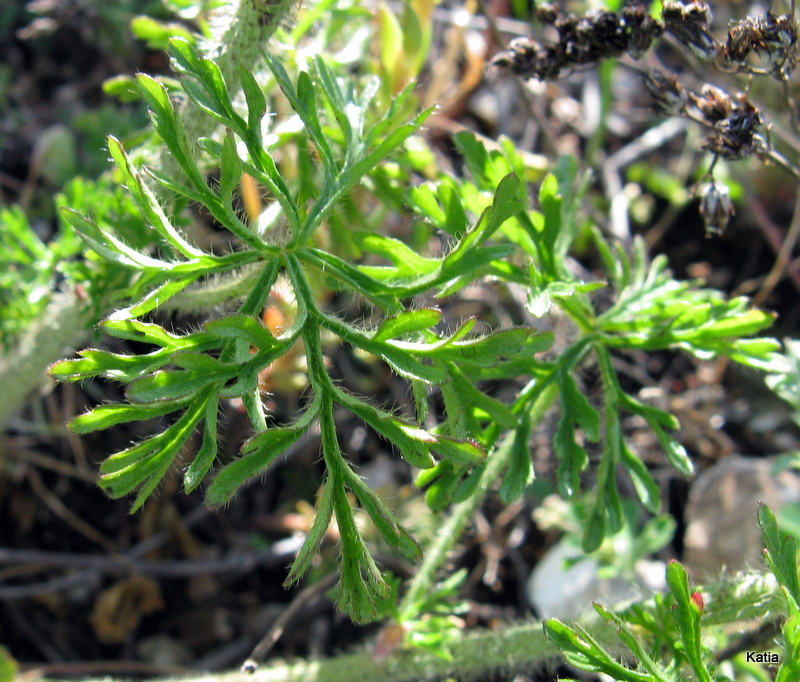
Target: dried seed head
{"points": [[668, 93], [689, 23], [581, 41], [547, 13], [772, 37], [713, 103], [715, 207]]}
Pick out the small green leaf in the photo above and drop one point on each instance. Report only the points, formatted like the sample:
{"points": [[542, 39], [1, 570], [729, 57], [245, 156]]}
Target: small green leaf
{"points": [[205, 456], [256, 101], [463, 452], [143, 465], [242, 328], [102, 363], [595, 530], [407, 262], [646, 488], [322, 521], [169, 385], [123, 88], [259, 454], [230, 168], [441, 482], [578, 407], [153, 299], [414, 443], [156, 33], [780, 552], [653, 415], [423, 201], [520, 469], [473, 399], [391, 531], [106, 416], [407, 322], [675, 452], [213, 95]]}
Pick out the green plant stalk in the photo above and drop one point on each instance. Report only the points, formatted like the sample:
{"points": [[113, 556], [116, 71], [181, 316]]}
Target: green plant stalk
{"points": [[497, 463], [63, 326], [243, 29], [748, 596]]}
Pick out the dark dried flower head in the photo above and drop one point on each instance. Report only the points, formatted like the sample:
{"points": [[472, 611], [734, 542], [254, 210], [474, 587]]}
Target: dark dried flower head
{"points": [[773, 38], [715, 207], [641, 29], [742, 37], [713, 104], [582, 41], [741, 134], [689, 23], [547, 13], [668, 93]]}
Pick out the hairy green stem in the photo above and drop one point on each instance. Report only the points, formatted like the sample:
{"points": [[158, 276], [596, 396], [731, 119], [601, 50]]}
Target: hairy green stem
{"points": [[63, 326]]}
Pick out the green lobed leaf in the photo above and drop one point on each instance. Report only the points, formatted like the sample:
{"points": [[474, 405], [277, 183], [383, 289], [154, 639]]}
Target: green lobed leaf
{"points": [[423, 200], [352, 278], [655, 673], [578, 407], [441, 482], [230, 168], [509, 199], [487, 169], [143, 465], [407, 262], [154, 298], [572, 457], [675, 452], [595, 530], [482, 351], [149, 332], [583, 651], [472, 400], [653, 415], [108, 246]]}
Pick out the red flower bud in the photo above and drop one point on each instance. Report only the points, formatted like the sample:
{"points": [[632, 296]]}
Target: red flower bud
{"points": [[697, 598]]}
